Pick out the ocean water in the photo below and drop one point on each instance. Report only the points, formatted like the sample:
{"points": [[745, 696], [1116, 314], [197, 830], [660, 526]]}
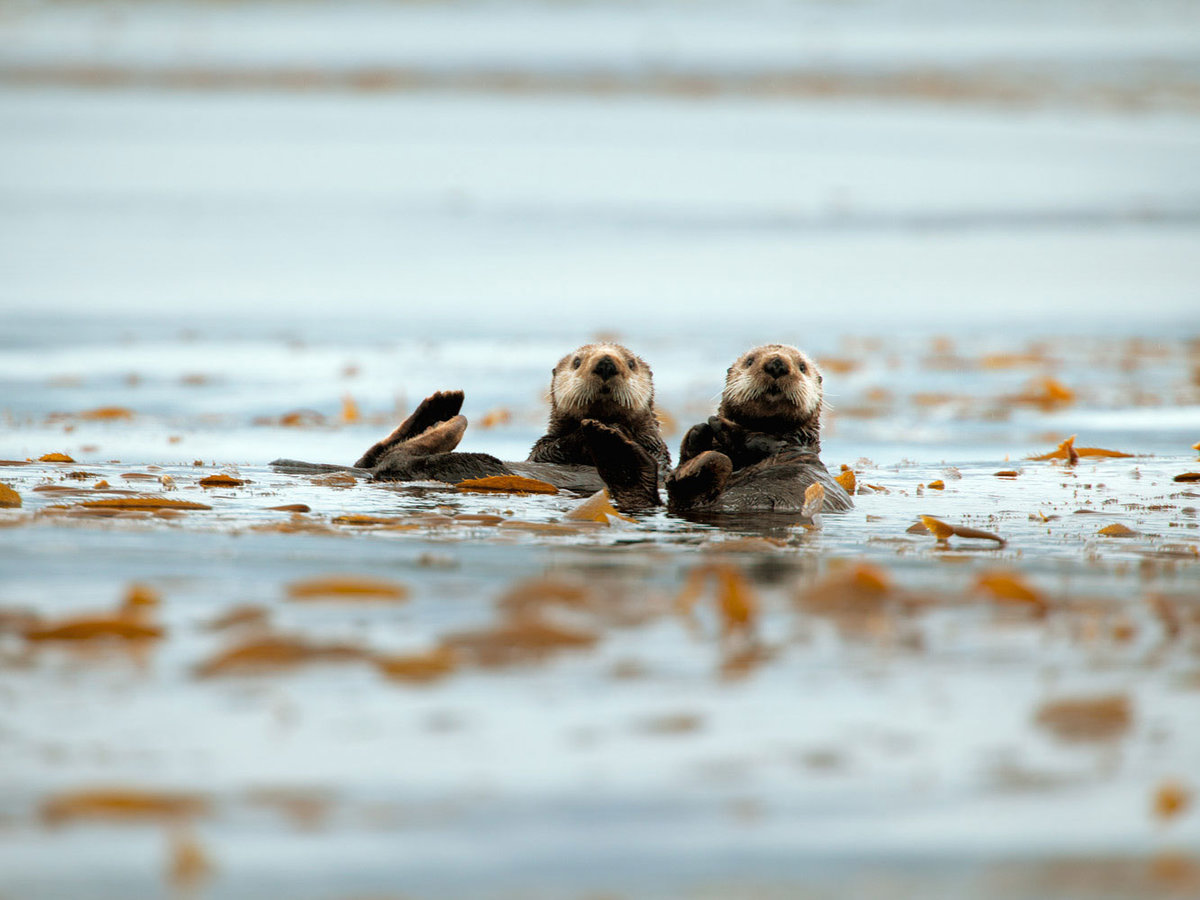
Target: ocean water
{"points": [[219, 219]]}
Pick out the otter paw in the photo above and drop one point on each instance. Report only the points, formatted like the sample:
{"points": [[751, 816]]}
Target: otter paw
{"points": [[698, 439], [628, 471], [699, 481], [743, 446]]}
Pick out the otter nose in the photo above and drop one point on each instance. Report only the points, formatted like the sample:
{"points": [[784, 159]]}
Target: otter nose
{"points": [[606, 368], [775, 367]]}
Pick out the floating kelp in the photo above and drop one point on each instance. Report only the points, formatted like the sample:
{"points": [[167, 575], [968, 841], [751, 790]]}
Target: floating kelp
{"points": [[273, 653], [128, 623], [1171, 799], [1068, 452], [355, 587], [597, 508], [1048, 394], [506, 484], [1079, 719], [847, 479], [222, 480], [1011, 587], [335, 480], [239, 617], [1118, 530], [188, 866], [523, 640], [142, 502], [107, 414], [420, 668], [736, 601], [943, 531], [363, 521], [814, 500], [120, 804]]}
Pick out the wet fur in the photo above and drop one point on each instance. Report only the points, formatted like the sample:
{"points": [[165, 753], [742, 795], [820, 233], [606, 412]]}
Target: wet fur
{"points": [[624, 401], [609, 384], [759, 453], [768, 427], [788, 406]]}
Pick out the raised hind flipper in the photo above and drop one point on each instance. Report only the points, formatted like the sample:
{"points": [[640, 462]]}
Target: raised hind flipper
{"points": [[440, 438], [630, 473], [434, 409], [699, 481]]}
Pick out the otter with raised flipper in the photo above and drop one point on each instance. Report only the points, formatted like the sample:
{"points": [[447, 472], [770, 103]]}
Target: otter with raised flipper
{"points": [[602, 382]]}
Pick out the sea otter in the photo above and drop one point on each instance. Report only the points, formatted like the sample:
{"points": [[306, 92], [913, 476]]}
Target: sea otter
{"points": [[602, 382], [760, 452]]}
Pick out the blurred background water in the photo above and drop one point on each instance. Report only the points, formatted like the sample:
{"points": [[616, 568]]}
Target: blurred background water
{"points": [[216, 214]]}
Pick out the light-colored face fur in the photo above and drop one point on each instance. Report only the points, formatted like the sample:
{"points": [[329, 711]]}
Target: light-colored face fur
{"points": [[773, 382], [600, 378]]}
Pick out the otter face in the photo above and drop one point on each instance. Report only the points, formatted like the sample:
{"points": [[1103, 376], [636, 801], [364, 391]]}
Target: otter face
{"points": [[773, 388], [599, 381]]}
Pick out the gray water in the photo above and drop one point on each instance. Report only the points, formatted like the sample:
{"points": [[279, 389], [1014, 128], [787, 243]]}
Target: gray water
{"points": [[210, 260]]}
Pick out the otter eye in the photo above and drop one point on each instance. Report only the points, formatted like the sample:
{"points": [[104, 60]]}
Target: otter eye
{"points": [[748, 363], [632, 363], [803, 367], [575, 362]]}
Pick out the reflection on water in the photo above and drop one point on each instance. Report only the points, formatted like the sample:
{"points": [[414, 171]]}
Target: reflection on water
{"points": [[238, 232], [777, 697]]}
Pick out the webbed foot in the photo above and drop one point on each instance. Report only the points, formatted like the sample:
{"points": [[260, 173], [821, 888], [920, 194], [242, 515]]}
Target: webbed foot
{"points": [[435, 409]]}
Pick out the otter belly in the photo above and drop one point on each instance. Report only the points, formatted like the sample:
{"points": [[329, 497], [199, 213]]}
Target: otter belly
{"points": [[452, 468], [455, 467], [777, 484]]}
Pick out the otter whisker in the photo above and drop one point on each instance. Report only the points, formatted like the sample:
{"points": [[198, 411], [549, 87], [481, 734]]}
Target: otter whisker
{"points": [[605, 382]]}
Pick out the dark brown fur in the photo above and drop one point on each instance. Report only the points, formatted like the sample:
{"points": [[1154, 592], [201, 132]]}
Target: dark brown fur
{"points": [[603, 382], [760, 453]]}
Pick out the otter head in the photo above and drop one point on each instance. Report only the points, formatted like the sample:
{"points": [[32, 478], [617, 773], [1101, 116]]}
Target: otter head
{"points": [[605, 382], [775, 389]]}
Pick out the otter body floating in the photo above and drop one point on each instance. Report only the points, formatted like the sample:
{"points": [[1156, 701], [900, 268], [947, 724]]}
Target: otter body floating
{"points": [[761, 452], [602, 382]]}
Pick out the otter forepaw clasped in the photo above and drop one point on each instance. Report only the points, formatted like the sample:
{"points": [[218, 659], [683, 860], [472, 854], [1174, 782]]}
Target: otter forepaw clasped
{"points": [[761, 450], [629, 472]]}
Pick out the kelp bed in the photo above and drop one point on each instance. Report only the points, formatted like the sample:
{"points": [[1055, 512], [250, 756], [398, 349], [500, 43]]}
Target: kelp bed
{"points": [[982, 680]]}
